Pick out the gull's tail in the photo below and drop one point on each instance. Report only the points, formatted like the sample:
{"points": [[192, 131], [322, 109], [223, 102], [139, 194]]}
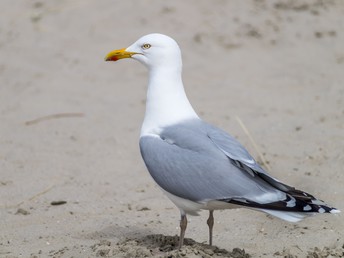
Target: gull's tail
{"points": [[294, 216], [296, 206], [306, 209]]}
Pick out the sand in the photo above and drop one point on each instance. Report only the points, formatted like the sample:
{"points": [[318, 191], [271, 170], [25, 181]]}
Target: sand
{"points": [[72, 182]]}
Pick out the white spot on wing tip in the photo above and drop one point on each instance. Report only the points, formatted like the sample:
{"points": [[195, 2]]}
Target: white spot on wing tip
{"points": [[335, 211], [321, 210], [291, 202], [307, 208]]}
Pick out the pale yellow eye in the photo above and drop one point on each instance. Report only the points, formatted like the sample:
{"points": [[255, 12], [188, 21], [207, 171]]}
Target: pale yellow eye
{"points": [[146, 46]]}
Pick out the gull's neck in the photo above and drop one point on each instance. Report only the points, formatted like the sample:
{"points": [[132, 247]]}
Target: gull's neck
{"points": [[166, 103]]}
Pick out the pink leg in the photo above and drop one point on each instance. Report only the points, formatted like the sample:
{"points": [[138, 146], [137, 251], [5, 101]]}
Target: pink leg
{"points": [[210, 223], [183, 224]]}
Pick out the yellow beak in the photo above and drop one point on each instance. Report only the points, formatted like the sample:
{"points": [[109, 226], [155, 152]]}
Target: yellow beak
{"points": [[119, 54]]}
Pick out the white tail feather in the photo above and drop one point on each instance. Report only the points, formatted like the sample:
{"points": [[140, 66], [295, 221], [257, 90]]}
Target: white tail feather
{"points": [[288, 215]]}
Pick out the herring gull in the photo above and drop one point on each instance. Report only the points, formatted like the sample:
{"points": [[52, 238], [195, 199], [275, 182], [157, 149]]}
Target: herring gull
{"points": [[197, 165]]}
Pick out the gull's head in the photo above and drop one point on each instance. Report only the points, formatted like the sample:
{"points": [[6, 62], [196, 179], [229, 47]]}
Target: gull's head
{"points": [[152, 50]]}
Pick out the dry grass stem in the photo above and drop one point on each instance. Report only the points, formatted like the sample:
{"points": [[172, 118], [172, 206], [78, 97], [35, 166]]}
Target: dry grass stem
{"points": [[53, 116], [255, 146]]}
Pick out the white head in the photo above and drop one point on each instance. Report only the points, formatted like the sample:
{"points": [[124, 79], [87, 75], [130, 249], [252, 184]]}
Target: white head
{"points": [[166, 102], [153, 50]]}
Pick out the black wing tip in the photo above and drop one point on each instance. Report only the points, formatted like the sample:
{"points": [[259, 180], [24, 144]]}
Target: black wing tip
{"points": [[324, 209], [291, 204]]}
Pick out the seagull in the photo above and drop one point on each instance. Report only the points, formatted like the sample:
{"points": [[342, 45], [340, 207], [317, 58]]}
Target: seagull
{"points": [[197, 165]]}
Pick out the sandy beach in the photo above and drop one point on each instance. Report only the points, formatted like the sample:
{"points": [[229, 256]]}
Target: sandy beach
{"points": [[72, 181]]}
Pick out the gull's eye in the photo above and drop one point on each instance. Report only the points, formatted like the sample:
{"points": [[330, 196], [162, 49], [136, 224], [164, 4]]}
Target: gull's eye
{"points": [[146, 46]]}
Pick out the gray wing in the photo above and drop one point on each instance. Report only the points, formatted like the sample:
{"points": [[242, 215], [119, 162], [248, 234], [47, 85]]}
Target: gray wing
{"points": [[184, 161], [235, 151], [199, 162], [295, 200]]}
